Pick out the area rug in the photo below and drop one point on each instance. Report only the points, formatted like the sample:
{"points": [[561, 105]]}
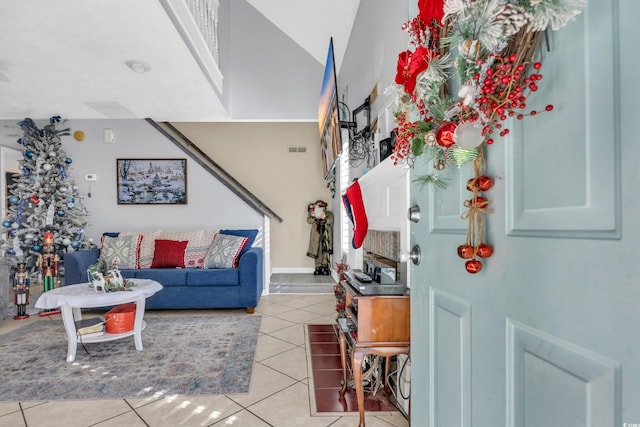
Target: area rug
{"points": [[181, 355]]}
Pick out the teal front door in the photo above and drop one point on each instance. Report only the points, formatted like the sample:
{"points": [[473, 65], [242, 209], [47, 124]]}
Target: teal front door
{"points": [[546, 334]]}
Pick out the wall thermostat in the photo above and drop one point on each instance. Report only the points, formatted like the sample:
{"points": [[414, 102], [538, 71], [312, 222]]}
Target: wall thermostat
{"points": [[90, 177]]}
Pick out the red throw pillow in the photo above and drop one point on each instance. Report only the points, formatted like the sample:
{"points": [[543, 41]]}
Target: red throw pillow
{"points": [[169, 253]]}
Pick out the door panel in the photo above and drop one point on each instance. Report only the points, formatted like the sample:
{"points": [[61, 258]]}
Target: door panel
{"points": [[450, 331], [551, 382], [446, 206], [563, 166]]}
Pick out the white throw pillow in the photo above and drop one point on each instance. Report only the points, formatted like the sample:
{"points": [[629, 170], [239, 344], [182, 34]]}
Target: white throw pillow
{"points": [[147, 245], [225, 251]]}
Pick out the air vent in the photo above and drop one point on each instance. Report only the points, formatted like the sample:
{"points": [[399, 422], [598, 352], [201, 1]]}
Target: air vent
{"points": [[297, 149]]}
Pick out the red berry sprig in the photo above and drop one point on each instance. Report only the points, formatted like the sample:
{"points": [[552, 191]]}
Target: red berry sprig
{"points": [[402, 148], [504, 92]]}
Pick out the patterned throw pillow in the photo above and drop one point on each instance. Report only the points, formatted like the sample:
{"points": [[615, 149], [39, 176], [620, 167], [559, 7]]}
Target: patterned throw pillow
{"points": [[199, 243], [250, 233], [125, 250], [147, 246], [169, 253], [225, 251]]}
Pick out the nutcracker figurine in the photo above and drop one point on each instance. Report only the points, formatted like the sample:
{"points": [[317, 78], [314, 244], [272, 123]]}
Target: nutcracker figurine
{"points": [[21, 284], [48, 265]]}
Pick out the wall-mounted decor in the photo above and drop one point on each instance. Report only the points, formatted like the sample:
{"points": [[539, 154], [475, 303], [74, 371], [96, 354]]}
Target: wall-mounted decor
{"points": [[152, 181]]}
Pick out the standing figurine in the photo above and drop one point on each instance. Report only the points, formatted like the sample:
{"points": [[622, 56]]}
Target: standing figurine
{"points": [[48, 265], [21, 284], [321, 237]]}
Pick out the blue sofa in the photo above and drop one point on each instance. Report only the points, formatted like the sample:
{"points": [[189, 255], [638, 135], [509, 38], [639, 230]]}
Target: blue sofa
{"points": [[187, 288]]}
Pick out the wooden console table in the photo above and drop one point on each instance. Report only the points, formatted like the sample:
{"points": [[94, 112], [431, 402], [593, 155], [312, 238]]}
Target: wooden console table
{"points": [[375, 324]]}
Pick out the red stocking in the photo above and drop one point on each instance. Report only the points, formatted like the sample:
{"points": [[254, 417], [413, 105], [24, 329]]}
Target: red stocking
{"points": [[353, 203]]}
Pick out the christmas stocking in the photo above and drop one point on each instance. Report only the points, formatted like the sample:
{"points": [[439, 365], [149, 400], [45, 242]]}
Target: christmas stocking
{"points": [[353, 203]]}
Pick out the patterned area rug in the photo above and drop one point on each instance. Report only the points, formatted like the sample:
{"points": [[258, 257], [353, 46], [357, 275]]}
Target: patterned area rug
{"points": [[188, 356]]}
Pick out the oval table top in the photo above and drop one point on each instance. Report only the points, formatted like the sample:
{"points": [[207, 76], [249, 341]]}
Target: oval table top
{"points": [[84, 295]]}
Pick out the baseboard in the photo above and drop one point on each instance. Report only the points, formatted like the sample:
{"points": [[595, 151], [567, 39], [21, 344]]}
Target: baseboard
{"points": [[292, 270], [298, 270]]}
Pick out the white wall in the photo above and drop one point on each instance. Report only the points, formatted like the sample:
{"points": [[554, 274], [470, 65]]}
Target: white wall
{"points": [[254, 74], [371, 57], [209, 203], [257, 154]]}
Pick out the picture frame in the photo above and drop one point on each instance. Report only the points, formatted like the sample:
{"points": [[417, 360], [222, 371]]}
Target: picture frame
{"points": [[151, 181]]}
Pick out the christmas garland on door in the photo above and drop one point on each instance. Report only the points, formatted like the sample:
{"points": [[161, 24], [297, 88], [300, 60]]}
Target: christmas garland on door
{"points": [[490, 50]]}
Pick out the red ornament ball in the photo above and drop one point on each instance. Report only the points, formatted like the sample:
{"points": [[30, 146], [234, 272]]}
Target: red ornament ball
{"points": [[484, 183], [471, 184], [444, 134], [473, 266], [484, 250], [466, 251], [480, 202]]}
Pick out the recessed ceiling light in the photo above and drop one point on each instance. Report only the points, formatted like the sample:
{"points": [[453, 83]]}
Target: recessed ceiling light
{"points": [[139, 67]]}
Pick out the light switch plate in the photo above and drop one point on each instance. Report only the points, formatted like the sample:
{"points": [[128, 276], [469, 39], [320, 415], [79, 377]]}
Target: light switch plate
{"points": [[109, 136]]}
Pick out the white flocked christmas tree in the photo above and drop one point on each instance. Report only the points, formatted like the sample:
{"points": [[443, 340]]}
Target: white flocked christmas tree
{"points": [[43, 197]]}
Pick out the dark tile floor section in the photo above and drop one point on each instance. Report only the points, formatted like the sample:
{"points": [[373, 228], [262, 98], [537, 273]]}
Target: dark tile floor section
{"points": [[327, 375]]}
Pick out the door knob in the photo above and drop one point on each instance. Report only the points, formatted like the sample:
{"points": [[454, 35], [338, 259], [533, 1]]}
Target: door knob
{"points": [[415, 255], [414, 213]]}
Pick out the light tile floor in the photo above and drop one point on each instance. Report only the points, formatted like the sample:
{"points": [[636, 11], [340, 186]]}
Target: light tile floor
{"points": [[279, 395]]}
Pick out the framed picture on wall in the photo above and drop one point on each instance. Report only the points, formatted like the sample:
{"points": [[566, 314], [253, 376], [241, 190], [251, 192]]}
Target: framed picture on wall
{"points": [[152, 181]]}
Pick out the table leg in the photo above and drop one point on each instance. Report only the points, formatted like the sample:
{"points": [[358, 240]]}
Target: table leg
{"points": [[356, 365], [137, 324], [70, 329], [343, 359], [387, 365]]}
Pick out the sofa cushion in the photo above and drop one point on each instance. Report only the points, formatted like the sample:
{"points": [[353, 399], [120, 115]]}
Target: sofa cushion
{"points": [[225, 251], [124, 250], [213, 277], [169, 253], [250, 233], [167, 277]]}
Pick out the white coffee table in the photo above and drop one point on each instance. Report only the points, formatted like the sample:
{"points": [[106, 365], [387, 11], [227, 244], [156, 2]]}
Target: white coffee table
{"points": [[72, 299]]}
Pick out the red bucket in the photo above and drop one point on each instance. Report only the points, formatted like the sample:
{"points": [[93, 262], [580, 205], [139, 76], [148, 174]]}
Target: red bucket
{"points": [[120, 319]]}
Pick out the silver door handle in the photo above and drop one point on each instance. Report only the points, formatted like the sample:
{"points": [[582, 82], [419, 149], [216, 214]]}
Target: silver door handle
{"points": [[415, 255], [414, 213]]}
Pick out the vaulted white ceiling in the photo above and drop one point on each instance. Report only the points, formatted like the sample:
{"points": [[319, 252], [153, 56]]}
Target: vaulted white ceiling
{"points": [[67, 57]]}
